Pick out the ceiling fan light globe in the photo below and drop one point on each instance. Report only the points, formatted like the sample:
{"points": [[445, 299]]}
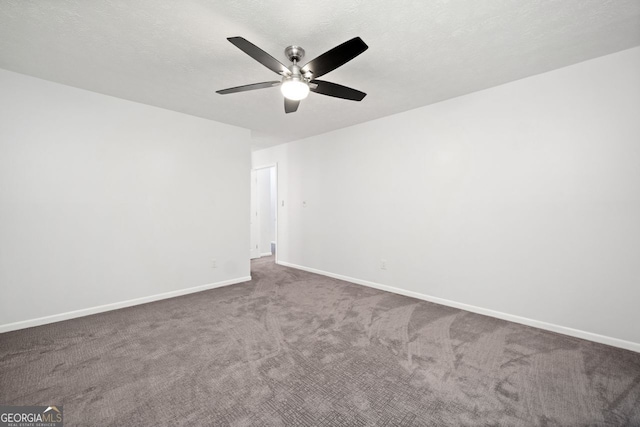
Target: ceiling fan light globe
{"points": [[294, 90]]}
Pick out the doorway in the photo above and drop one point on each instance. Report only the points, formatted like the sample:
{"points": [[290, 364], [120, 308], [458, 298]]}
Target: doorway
{"points": [[264, 221]]}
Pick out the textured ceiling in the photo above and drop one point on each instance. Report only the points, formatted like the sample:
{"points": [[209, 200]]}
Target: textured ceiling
{"points": [[174, 54]]}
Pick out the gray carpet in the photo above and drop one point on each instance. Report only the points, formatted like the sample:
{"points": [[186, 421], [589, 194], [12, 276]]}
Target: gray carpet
{"points": [[292, 348]]}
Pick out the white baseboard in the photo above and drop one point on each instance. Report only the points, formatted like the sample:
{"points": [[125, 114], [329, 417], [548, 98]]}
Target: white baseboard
{"points": [[266, 254], [615, 342], [116, 305]]}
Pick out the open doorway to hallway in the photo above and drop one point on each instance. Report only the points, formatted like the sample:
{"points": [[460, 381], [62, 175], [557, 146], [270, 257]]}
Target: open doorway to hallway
{"points": [[264, 221]]}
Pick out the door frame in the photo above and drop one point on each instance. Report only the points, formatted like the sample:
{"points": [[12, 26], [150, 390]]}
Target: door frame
{"points": [[254, 220], [272, 165]]}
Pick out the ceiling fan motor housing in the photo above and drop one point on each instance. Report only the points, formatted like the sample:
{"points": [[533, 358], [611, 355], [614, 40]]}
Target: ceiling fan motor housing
{"points": [[294, 53], [295, 86]]}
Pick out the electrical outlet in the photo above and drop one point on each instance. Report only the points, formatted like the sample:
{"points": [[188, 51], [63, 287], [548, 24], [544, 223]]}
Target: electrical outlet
{"points": [[214, 263], [383, 264]]}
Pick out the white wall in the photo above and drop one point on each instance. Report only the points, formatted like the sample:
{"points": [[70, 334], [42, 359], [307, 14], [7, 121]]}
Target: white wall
{"points": [[523, 199], [104, 200]]}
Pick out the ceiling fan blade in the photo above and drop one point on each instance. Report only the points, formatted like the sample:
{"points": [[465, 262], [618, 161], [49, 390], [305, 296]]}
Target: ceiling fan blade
{"points": [[245, 88], [290, 106], [336, 90], [335, 57], [260, 55]]}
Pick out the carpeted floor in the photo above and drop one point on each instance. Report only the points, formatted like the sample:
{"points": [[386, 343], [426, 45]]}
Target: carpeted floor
{"points": [[296, 349]]}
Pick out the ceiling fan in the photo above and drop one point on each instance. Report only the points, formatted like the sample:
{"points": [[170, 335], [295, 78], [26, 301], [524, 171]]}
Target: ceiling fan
{"points": [[298, 81]]}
